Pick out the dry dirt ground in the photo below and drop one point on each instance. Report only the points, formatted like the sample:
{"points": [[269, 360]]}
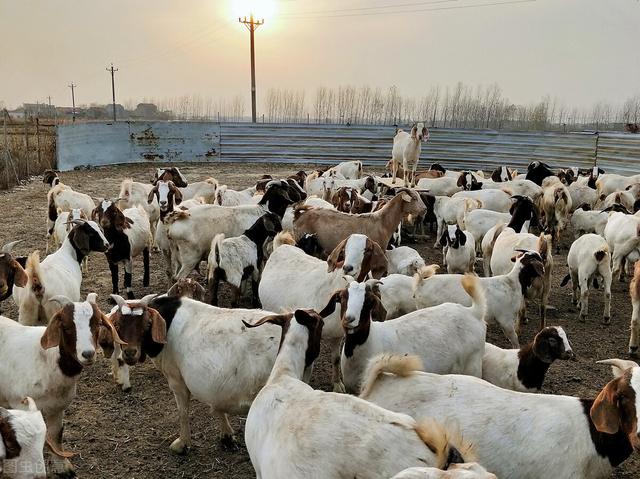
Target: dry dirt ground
{"points": [[127, 435]]}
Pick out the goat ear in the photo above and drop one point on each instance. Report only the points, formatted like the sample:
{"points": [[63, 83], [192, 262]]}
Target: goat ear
{"points": [[425, 133], [378, 311], [8, 438], [114, 334], [461, 180], [51, 337], [105, 340], [331, 305], [20, 277], [462, 238], [444, 239], [158, 327], [335, 256], [378, 264], [604, 412], [414, 132], [177, 195], [152, 194], [80, 239]]}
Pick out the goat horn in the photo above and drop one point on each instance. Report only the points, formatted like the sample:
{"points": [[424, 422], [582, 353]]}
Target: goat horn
{"points": [[147, 299], [58, 452], [120, 301], [61, 300], [30, 403], [9, 246]]}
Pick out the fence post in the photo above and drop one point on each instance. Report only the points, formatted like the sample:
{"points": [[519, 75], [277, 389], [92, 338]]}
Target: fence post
{"points": [[38, 140], [26, 142], [595, 159], [6, 145]]}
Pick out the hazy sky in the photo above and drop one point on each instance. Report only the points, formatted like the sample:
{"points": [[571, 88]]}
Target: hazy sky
{"points": [[579, 51]]}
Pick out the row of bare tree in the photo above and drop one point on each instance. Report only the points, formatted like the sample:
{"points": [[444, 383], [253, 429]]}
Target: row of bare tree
{"points": [[461, 106]]}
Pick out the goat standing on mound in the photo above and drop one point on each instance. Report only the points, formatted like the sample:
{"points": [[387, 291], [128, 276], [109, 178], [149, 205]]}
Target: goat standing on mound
{"points": [[129, 234], [406, 150]]}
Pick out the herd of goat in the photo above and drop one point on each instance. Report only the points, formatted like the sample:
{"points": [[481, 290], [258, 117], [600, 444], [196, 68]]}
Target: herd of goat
{"points": [[418, 392]]}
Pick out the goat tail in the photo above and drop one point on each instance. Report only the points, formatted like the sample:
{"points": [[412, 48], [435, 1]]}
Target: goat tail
{"points": [[471, 285], [399, 365], [299, 210], [446, 443], [284, 237], [215, 250], [32, 268]]}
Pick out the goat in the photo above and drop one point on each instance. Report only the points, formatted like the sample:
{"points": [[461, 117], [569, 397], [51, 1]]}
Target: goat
{"points": [[134, 194], [537, 171], [169, 173], [187, 287], [468, 181], [332, 226], [167, 195], [622, 234], [501, 174], [449, 337], [496, 200], [45, 363], [458, 249], [404, 260], [350, 170], [589, 256], [64, 198], [556, 206], [51, 178], [445, 186], [505, 294], [601, 433], [581, 194], [129, 235], [524, 369], [207, 190], [634, 293], [584, 220], [192, 231], [381, 442], [11, 271], [451, 211], [610, 183], [406, 151], [508, 242], [239, 259], [470, 470], [291, 279], [58, 274], [199, 349], [228, 197], [479, 221]]}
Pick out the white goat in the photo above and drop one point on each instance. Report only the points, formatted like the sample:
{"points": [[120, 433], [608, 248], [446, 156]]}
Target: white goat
{"points": [[449, 337], [589, 257], [623, 237], [470, 470], [406, 151], [64, 198], [451, 211], [132, 194], [228, 197], [350, 170], [444, 186], [381, 442], [59, 274], [504, 294], [45, 363], [524, 369], [565, 436], [404, 260], [494, 200]]}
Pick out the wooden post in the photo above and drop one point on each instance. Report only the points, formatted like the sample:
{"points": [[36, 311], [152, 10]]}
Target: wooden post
{"points": [[38, 140], [6, 146], [26, 142]]}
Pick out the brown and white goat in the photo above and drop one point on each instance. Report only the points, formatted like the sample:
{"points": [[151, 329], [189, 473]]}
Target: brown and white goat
{"points": [[11, 271], [170, 173]]}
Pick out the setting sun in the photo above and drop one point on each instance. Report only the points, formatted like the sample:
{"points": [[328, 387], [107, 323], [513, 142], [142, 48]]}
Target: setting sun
{"points": [[261, 9]]}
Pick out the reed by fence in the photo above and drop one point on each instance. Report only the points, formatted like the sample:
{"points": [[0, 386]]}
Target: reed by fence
{"points": [[27, 148]]}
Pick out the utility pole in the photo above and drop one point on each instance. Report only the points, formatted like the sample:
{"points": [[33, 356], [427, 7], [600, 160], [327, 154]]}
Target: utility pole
{"points": [[113, 89], [252, 25], [73, 101], [49, 99]]}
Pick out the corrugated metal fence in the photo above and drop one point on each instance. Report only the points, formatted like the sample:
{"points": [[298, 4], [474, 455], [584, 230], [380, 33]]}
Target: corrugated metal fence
{"points": [[130, 142]]}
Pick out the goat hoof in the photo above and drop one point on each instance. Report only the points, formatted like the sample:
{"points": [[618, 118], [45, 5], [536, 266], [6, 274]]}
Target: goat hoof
{"points": [[178, 447], [111, 300], [126, 389], [606, 320], [582, 318], [67, 471], [229, 442], [339, 388], [633, 352], [130, 295]]}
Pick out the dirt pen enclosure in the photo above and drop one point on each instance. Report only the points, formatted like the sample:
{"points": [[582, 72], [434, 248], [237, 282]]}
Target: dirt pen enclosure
{"points": [[117, 434]]}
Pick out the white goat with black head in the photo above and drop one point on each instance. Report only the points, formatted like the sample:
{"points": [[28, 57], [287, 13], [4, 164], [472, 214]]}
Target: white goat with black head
{"points": [[458, 250]]}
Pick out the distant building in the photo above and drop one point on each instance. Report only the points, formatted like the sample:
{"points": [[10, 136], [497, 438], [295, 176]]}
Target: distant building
{"points": [[146, 110]]}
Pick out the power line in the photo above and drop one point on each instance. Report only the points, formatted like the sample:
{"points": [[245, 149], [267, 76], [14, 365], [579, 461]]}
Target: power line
{"points": [[353, 9], [252, 25], [419, 10]]}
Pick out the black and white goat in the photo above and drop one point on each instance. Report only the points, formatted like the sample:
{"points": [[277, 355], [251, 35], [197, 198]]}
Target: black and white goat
{"points": [[129, 235], [239, 259]]}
